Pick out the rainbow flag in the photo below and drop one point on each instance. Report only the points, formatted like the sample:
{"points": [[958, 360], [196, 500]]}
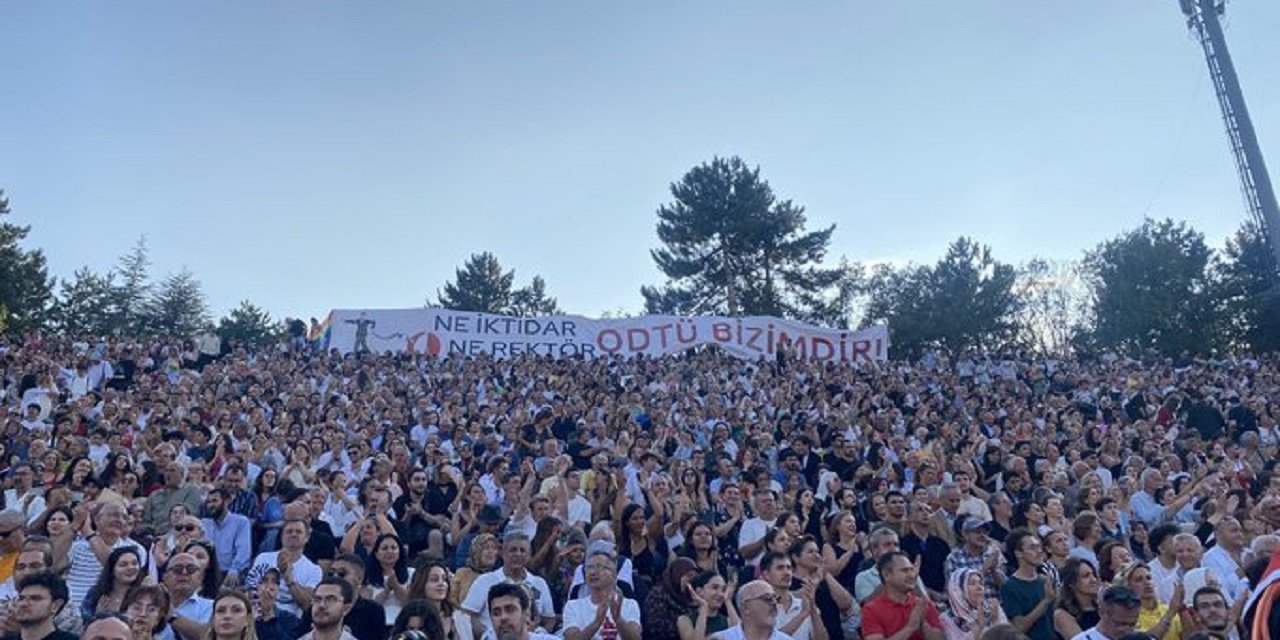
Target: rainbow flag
{"points": [[319, 333]]}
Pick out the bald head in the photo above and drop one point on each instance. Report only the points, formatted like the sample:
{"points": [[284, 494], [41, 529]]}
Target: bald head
{"points": [[108, 628]]}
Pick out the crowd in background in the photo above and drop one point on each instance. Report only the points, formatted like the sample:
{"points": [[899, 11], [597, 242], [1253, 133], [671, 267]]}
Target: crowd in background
{"points": [[292, 493]]}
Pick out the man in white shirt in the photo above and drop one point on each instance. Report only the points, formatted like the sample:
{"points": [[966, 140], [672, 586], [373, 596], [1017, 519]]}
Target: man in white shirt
{"points": [[797, 615], [515, 554], [298, 575], [578, 508], [751, 535], [758, 613], [1118, 615], [24, 496], [1226, 558], [1164, 567], [605, 613]]}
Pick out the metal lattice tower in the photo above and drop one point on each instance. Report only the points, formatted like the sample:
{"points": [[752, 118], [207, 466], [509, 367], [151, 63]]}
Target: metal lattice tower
{"points": [[1259, 197]]}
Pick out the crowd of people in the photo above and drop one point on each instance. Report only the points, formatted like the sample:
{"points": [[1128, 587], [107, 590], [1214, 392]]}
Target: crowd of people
{"points": [[155, 491]]}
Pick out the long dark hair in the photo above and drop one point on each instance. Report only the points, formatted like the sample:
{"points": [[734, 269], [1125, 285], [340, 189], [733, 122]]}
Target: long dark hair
{"points": [[107, 577], [432, 622], [373, 569], [212, 582]]}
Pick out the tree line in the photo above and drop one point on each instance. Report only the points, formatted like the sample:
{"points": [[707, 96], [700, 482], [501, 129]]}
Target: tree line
{"points": [[728, 245]]}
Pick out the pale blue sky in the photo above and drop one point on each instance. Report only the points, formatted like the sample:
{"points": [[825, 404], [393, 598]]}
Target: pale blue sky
{"points": [[312, 155]]}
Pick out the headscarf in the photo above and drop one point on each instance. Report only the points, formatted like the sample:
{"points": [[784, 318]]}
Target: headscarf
{"points": [[963, 611], [674, 575], [477, 547]]}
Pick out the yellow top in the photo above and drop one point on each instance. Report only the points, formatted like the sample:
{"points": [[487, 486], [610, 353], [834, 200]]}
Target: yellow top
{"points": [[1150, 618]]}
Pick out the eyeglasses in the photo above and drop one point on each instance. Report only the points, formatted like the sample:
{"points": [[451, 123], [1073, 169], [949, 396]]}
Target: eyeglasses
{"points": [[184, 569], [771, 598], [139, 608], [187, 527], [5, 534]]}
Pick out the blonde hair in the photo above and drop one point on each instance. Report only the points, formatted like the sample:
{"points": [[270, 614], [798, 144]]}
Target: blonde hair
{"points": [[249, 633]]}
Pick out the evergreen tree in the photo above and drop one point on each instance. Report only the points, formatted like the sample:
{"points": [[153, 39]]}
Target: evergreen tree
{"points": [[84, 305], [731, 247], [178, 307], [132, 290], [26, 289], [250, 325], [533, 300], [480, 285]]}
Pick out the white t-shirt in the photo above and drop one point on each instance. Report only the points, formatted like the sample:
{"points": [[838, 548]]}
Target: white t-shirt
{"points": [[805, 630], [753, 531], [580, 613], [477, 598], [305, 572], [392, 605], [1091, 633], [735, 633]]}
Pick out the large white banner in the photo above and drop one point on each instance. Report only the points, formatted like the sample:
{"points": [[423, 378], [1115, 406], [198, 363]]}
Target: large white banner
{"points": [[442, 332]]}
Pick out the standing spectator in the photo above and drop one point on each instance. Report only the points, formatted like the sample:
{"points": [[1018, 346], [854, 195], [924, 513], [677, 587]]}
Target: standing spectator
{"points": [[515, 553], [231, 533], [1027, 597], [84, 564], [900, 612], [298, 574], [40, 597], [971, 612], [190, 615], [1118, 618], [606, 613], [173, 493], [798, 616], [333, 599], [758, 607]]}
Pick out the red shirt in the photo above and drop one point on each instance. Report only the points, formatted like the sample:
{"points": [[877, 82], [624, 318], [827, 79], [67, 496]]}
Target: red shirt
{"points": [[883, 617]]}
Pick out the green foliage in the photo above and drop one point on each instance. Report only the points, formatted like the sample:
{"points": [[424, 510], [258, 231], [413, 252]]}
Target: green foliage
{"points": [[533, 300], [730, 247], [1246, 275], [966, 300], [85, 304], [178, 307], [25, 286], [250, 325], [132, 290], [1152, 290], [482, 285]]}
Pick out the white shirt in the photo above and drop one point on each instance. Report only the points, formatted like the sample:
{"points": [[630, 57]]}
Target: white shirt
{"points": [[752, 531], [735, 633], [1164, 579], [1091, 633], [392, 605], [805, 630], [305, 572], [580, 613], [31, 510], [1222, 564], [579, 510], [477, 598]]}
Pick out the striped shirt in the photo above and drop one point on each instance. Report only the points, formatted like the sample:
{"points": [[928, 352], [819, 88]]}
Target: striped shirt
{"points": [[84, 568]]}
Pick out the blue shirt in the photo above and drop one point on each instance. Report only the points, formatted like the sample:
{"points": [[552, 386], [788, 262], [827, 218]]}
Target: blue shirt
{"points": [[233, 539]]}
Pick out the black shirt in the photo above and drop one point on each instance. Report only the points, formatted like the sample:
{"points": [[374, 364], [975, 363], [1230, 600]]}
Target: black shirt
{"points": [[56, 635], [367, 620]]}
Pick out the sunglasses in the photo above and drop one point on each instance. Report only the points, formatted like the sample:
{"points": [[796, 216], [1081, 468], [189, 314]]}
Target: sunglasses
{"points": [[185, 569], [187, 527]]}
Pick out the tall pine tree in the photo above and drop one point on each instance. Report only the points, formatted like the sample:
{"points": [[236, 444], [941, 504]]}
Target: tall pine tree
{"points": [[25, 286], [731, 247]]}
